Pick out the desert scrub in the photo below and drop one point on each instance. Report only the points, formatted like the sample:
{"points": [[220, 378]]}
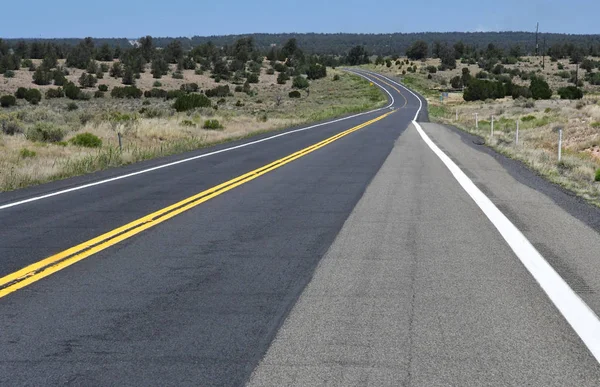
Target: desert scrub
{"points": [[86, 140], [597, 177], [188, 123], [212, 125], [44, 132], [191, 101], [10, 125], [25, 153]]}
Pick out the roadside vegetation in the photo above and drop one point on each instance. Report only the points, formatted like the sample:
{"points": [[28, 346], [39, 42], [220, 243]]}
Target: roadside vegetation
{"points": [[62, 111], [560, 90]]}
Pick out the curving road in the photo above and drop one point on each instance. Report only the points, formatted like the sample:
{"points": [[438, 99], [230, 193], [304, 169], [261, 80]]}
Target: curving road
{"points": [[345, 253]]}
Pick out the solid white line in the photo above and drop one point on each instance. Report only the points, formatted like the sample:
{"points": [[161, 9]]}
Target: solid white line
{"points": [[405, 88], [78, 188], [577, 313]]}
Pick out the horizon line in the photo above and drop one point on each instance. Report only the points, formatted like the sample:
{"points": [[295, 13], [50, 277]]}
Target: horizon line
{"points": [[299, 33]]}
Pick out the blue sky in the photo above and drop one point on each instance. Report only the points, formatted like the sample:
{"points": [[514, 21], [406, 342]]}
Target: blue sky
{"points": [[134, 18]]}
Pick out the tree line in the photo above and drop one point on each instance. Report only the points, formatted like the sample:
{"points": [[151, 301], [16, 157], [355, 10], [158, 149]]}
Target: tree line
{"points": [[342, 43]]}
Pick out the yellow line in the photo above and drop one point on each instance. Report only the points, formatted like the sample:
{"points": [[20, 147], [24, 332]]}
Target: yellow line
{"points": [[378, 77], [54, 263]]}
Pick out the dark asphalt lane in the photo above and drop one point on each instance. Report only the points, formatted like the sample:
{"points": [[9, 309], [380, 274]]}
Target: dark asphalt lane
{"points": [[195, 300], [39, 229]]}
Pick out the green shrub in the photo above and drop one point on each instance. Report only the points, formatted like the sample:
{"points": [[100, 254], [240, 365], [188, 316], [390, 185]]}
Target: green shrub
{"points": [[72, 91], [59, 78], [431, 69], [239, 103], [595, 124], [300, 82], [316, 71], [270, 71], [55, 93], [33, 96], [44, 132], [42, 77], [212, 125], [103, 88], [282, 78], [87, 80], [98, 94], [336, 77], [219, 91], [597, 177], [126, 92], [7, 101], [26, 153], [9, 74], [157, 84], [86, 140], [191, 101], [72, 106], [280, 67], [174, 94], [238, 89], [156, 93], [570, 92], [116, 71], [528, 118], [294, 94], [189, 87], [221, 101], [480, 90], [520, 92], [177, 75], [21, 92], [540, 89], [252, 78]]}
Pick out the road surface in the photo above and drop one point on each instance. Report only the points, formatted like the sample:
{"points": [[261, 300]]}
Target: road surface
{"points": [[358, 261]]}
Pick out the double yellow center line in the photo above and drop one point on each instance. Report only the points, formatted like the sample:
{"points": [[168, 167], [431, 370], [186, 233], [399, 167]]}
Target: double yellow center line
{"points": [[50, 265]]}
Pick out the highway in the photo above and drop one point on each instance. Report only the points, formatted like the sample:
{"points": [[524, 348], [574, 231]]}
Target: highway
{"points": [[369, 250]]}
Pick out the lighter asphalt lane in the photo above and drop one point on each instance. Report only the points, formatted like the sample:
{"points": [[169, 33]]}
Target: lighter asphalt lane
{"points": [[419, 289], [197, 299]]}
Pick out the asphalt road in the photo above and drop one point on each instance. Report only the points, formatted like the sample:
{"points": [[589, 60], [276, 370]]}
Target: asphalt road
{"points": [[361, 263]]}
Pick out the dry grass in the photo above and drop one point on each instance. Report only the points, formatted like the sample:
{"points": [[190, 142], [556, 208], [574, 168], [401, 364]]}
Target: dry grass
{"points": [[538, 139], [165, 132]]}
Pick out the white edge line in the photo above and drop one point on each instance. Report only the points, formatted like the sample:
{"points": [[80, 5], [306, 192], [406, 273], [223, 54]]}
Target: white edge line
{"points": [[402, 86], [578, 314], [105, 181]]}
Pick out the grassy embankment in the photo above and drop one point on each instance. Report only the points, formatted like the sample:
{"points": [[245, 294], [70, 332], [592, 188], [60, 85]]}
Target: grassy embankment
{"points": [[538, 121], [151, 128]]}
